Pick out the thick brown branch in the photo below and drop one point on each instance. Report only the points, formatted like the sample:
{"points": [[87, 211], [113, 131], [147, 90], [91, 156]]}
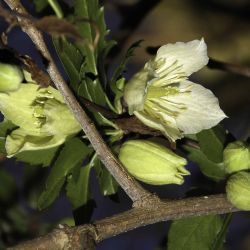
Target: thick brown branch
{"points": [[232, 68], [134, 218], [128, 183]]}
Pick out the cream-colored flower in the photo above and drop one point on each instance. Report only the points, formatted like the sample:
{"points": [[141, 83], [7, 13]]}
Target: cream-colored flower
{"points": [[42, 118], [162, 97]]}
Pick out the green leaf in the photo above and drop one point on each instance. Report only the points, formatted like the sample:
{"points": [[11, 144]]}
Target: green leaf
{"points": [[40, 5], [70, 157], [220, 239], [87, 10], [194, 233], [211, 142], [213, 170], [120, 69], [38, 157], [7, 187], [72, 60], [92, 90], [78, 190], [107, 183]]}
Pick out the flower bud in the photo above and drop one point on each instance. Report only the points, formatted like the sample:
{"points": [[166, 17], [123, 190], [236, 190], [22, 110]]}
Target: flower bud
{"points": [[236, 157], [152, 163], [10, 77], [238, 190]]}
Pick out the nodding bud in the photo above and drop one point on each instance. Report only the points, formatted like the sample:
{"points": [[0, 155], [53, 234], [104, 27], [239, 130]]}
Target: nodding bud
{"points": [[152, 163], [238, 190], [10, 77], [236, 157]]}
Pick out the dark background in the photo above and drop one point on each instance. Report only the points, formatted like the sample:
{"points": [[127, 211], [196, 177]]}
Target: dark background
{"points": [[225, 26]]}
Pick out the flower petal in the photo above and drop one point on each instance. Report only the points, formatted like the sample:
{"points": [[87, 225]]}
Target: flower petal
{"points": [[202, 108], [16, 106], [192, 55], [166, 124], [59, 119], [135, 91], [19, 141]]}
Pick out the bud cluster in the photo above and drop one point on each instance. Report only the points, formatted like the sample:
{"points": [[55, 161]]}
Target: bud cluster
{"points": [[236, 158]]}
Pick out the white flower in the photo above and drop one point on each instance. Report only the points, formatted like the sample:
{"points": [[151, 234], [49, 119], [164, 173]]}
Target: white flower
{"points": [[162, 97]]}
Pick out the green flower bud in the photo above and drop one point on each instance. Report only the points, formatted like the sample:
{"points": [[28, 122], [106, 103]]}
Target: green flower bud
{"points": [[10, 77], [152, 163], [238, 190], [236, 157]]}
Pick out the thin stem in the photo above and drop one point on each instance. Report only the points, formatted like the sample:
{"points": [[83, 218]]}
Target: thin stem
{"points": [[133, 189]]}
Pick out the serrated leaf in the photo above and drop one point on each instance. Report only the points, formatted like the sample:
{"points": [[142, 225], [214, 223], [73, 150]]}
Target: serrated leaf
{"points": [[107, 183], [72, 60], [120, 69], [87, 10], [211, 142], [71, 155], [38, 157], [220, 239], [92, 90], [194, 233], [214, 171], [78, 190]]}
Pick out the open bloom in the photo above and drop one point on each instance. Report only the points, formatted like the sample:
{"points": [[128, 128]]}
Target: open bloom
{"points": [[162, 97], [42, 118]]}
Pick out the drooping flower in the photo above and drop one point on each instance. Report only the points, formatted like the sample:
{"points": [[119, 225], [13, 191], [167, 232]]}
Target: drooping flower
{"points": [[163, 98], [152, 163], [42, 118]]}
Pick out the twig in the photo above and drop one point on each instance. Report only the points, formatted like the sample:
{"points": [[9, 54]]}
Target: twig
{"points": [[134, 125], [232, 68], [129, 220], [133, 189]]}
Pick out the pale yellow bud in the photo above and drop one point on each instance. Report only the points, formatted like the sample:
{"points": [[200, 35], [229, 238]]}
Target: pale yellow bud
{"points": [[238, 190], [152, 163]]}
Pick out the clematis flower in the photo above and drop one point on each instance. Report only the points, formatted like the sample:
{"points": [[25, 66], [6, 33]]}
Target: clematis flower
{"points": [[42, 118], [163, 98]]}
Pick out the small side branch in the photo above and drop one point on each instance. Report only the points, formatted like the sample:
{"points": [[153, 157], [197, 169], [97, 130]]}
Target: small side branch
{"points": [[232, 68]]}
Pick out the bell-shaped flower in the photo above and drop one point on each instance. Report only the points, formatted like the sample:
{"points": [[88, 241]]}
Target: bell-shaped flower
{"points": [[163, 98], [42, 118], [152, 163]]}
